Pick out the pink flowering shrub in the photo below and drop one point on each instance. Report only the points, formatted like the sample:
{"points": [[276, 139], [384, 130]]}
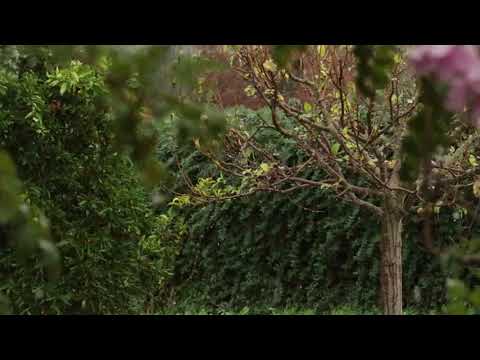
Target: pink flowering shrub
{"points": [[456, 65]]}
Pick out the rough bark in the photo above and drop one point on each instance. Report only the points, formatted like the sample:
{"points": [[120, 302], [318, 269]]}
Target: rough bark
{"points": [[391, 261]]}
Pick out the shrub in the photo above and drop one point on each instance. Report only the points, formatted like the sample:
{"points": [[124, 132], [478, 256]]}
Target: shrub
{"points": [[58, 128]]}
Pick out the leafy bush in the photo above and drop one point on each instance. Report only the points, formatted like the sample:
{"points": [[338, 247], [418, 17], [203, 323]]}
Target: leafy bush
{"points": [[55, 123]]}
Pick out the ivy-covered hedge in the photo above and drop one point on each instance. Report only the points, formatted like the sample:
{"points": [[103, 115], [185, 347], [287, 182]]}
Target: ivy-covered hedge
{"points": [[307, 249]]}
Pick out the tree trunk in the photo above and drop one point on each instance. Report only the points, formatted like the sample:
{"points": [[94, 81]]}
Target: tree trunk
{"points": [[391, 261]]}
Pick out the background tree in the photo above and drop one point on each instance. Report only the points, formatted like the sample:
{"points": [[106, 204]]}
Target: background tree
{"points": [[302, 249], [345, 133]]}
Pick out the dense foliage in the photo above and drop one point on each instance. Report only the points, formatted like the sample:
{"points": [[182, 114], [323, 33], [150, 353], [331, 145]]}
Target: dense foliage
{"points": [[58, 130], [301, 204]]}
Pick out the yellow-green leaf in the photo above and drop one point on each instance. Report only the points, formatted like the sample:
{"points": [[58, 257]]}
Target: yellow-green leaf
{"points": [[270, 65], [391, 163], [472, 160], [476, 188], [250, 90], [265, 167], [321, 49], [63, 88], [307, 107]]}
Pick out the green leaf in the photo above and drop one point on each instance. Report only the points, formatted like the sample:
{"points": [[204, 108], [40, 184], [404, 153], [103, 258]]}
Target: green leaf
{"points": [[335, 148], [397, 58], [63, 88]]}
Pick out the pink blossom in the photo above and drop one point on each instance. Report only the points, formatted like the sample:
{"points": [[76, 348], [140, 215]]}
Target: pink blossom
{"points": [[456, 96], [425, 58], [459, 67]]}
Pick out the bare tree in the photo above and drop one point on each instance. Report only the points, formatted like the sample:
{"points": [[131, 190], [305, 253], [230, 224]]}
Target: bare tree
{"points": [[345, 134]]}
